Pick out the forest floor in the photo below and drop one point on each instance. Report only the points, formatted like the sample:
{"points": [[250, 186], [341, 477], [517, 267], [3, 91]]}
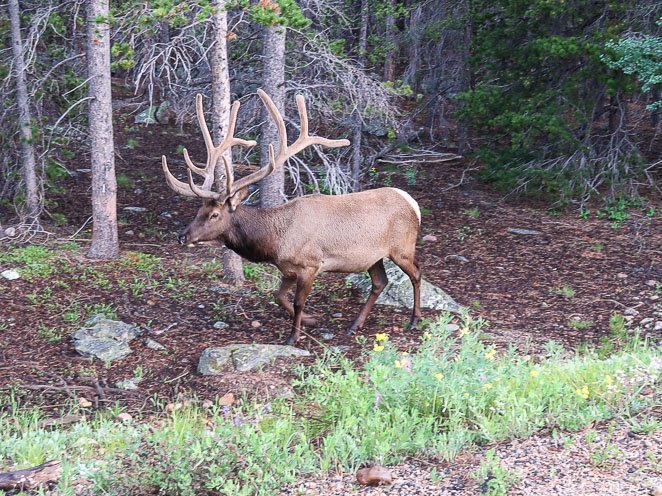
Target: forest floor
{"points": [[562, 284]]}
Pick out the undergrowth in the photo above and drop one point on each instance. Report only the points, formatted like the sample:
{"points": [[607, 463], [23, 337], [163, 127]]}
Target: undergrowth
{"points": [[450, 392]]}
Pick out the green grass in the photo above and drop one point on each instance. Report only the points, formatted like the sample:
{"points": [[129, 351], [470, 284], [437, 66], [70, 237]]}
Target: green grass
{"points": [[447, 394]]}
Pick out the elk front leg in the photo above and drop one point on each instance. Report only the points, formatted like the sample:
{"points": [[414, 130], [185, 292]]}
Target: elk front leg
{"points": [[379, 282], [281, 298], [304, 285]]}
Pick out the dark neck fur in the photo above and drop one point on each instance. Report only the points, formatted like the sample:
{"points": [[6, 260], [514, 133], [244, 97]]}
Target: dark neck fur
{"points": [[255, 233]]}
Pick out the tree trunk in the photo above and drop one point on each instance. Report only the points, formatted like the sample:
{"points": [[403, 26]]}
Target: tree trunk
{"points": [[391, 54], [105, 244], [357, 121], [24, 117], [220, 93], [272, 187]]}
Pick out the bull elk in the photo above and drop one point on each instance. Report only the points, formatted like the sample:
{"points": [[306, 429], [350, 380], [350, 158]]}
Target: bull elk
{"points": [[308, 235]]}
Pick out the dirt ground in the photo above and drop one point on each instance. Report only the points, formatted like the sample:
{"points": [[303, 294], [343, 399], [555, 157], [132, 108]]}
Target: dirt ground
{"points": [[563, 283]]}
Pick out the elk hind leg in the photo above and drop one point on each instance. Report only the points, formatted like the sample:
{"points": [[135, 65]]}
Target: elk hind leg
{"points": [[379, 282], [410, 267], [281, 296]]}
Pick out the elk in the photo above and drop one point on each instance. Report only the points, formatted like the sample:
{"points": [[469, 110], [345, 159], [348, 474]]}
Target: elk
{"points": [[309, 234]]}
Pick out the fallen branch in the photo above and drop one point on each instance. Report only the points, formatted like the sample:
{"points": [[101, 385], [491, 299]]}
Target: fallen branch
{"points": [[31, 478]]}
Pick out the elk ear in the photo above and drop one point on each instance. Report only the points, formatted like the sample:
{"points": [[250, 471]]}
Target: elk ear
{"points": [[237, 198]]}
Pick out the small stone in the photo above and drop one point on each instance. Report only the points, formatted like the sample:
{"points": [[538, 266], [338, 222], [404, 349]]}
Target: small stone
{"points": [[650, 282], [226, 400], [207, 404], [325, 334], [138, 191], [125, 417], [129, 384], [374, 476], [129, 232], [622, 275], [135, 210], [84, 402], [452, 327], [11, 274], [154, 345], [340, 348], [10, 232], [630, 311], [221, 325], [201, 306], [255, 324], [524, 232], [165, 214], [653, 297], [647, 320], [658, 326], [430, 237], [337, 315], [458, 258]]}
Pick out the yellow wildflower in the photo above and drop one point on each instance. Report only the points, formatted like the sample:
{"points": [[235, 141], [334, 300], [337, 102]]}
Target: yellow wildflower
{"points": [[439, 376], [377, 347], [487, 386], [427, 335], [583, 392], [381, 336], [490, 354], [464, 331], [466, 395], [398, 364], [534, 373]]}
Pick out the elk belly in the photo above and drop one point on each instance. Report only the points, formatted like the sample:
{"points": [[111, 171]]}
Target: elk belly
{"points": [[351, 262]]}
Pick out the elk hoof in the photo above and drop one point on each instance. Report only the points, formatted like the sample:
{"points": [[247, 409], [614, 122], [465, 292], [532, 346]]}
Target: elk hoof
{"points": [[291, 341]]}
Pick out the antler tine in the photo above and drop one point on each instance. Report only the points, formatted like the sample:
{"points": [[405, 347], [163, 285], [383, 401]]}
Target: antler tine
{"points": [[285, 152], [201, 192], [174, 183]]}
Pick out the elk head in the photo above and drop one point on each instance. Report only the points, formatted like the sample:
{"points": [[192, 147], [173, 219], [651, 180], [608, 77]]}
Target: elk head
{"points": [[214, 216]]}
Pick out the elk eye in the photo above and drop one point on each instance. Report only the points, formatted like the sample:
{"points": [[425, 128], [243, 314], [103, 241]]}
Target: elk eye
{"points": [[214, 215]]}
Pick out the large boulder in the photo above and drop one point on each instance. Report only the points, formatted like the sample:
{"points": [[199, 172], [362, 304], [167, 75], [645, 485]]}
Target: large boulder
{"points": [[244, 357], [104, 338], [399, 292]]}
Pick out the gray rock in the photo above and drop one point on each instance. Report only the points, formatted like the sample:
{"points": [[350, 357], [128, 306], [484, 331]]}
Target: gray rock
{"points": [[458, 258], [129, 384], [154, 345], [646, 321], [399, 292], [136, 210], [105, 339], [244, 357], [452, 327], [524, 232], [10, 274], [221, 325], [146, 116], [658, 326], [10, 232], [325, 334], [630, 311]]}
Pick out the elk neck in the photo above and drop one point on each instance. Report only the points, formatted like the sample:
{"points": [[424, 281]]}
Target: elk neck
{"points": [[255, 233]]}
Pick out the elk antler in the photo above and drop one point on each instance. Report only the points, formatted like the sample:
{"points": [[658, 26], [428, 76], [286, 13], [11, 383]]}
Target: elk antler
{"points": [[213, 155], [284, 152]]}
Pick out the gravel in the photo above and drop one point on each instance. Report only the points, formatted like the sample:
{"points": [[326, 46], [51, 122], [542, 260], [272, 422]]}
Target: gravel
{"points": [[564, 465]]}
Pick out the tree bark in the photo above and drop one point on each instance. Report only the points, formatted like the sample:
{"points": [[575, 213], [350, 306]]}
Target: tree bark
{"points": [[24, 117], [356, 159], [105, 243], [391, 54], [272, 187], [220, 92]]}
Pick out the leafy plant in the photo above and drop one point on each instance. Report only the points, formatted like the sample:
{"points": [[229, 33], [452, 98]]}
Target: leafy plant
{"points": [[494, 479]]}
